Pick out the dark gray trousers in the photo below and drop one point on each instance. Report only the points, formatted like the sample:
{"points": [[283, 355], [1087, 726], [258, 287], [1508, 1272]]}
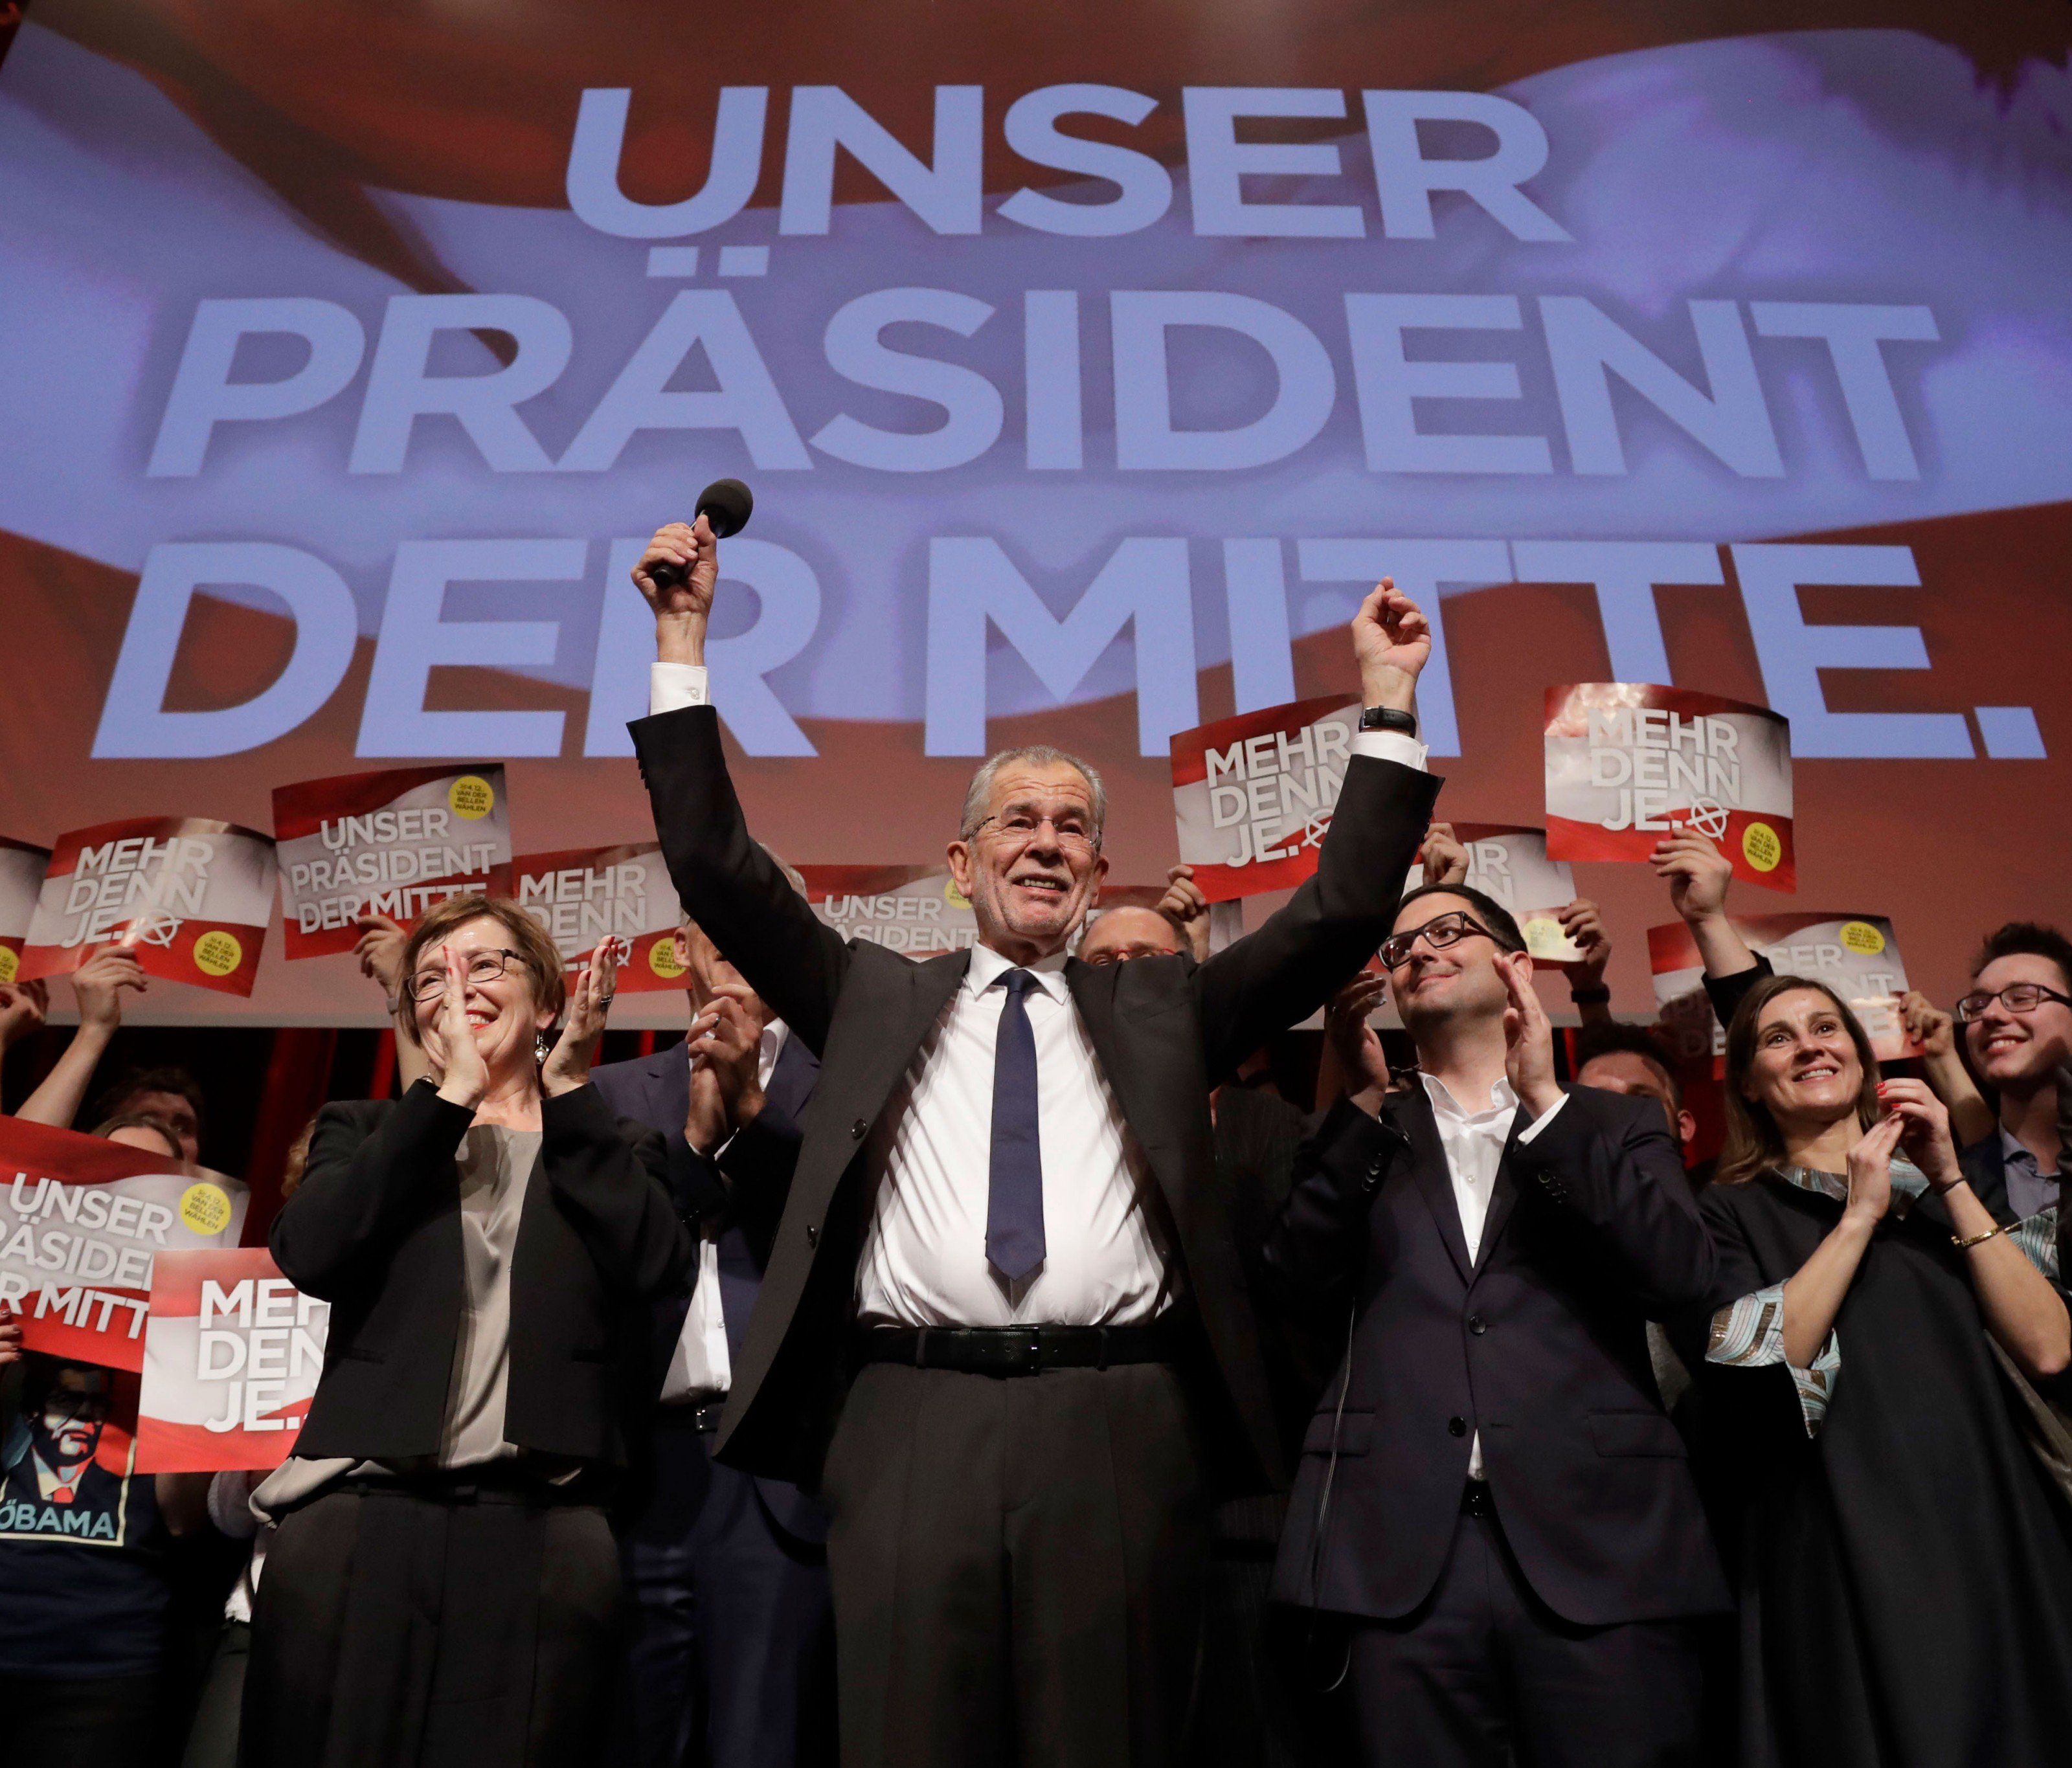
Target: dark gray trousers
{"points": [[1017, 1567], [392, 1631], [1482, 1674]]}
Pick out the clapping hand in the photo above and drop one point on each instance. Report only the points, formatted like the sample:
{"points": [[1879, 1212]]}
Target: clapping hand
{"points": [[379, 950], [1354, 1041], [1924, 1129], [725, 1042], [1870, 1170], [591, 997], [1528, 1038], [450, 1045]]}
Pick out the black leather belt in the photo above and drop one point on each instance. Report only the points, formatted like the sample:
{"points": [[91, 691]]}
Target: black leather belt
{"points": [[1018, 1351]]}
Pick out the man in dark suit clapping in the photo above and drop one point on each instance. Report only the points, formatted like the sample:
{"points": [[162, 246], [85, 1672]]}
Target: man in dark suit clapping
{"points": [[733, 1649], [1490, 1496], [1005, 1323]]}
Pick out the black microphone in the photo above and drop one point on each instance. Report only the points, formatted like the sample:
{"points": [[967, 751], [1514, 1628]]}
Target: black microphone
{"points": [[726, 505]]}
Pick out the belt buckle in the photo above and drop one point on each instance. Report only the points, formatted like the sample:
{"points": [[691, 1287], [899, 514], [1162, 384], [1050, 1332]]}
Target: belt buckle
{"points": [[1025, 1351]]}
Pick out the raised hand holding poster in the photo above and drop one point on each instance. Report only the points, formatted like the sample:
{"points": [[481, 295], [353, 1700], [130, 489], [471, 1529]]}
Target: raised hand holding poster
{"points": [[1508, 861]]}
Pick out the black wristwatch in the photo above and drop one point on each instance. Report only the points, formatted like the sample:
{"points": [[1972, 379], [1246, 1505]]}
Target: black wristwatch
{"points": [[1596, 996], [1389, 718]]}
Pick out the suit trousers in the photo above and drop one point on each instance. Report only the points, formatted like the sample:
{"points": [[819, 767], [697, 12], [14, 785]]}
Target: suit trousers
{"points": [[1018, 1565], [395, 1631], [733, 1645], [1482, 1674]]}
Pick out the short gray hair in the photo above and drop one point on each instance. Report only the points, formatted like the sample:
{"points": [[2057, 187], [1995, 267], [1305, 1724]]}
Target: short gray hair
{"points": [[1040, 754]]}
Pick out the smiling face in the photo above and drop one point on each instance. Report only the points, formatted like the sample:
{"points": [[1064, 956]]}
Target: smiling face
{"points": [[1803, 1067], [2017, 1052], [1031, 867], [504, 1013], [1460, 983]]}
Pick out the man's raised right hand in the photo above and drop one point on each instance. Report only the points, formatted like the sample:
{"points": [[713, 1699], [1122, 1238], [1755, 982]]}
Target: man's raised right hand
{"points": [[683, 606]]}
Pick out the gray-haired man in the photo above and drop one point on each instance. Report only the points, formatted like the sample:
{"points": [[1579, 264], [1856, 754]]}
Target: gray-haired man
{"points": [[1005, 1324]]}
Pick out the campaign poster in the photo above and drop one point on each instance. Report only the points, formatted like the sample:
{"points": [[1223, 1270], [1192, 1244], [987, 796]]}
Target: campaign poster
{"points": [[81, 1218], [191, 896], [914, 909], [232, 1357], [397, 843], [584, 894], [1854, 955], [22, 869], [69, 1467], [1253, 795], [1508, 861], [1628, 763]]}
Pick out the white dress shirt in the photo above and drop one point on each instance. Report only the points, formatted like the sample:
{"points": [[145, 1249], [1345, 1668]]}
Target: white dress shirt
{"points": [[701, 1368], [931, 1155], [1473, 1142], [923, 1262]]}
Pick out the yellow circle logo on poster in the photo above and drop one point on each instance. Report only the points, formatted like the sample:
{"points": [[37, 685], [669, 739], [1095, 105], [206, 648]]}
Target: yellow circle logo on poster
{"points": [[954, 897], [1862, 938], [472, 796], [218, 953], [11, 962], [1761, 848], [663, 960], [205, 1208]]}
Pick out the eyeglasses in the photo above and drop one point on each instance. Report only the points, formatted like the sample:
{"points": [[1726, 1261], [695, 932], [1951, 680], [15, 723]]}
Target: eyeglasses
{"points": [[1438, 933], [1019, 827], [2016, 997], [483, 966]]}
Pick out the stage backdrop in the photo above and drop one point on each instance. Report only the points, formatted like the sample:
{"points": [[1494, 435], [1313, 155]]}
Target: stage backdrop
{"points": [[1088, 360]]}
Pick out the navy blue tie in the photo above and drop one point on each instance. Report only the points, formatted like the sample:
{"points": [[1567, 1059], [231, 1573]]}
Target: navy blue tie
{"points": [[1014, 1202]]}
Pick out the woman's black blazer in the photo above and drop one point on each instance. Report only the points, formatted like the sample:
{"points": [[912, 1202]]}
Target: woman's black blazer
{"points": [[374, 1230]]}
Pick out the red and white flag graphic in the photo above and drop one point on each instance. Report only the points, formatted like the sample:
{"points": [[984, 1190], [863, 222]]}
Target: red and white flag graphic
{"points": [[1854, 955], [1628, 763], [1253, 795], [231, 1357], [584, 894], [81, 1220], [398, 843], [190, 896]]}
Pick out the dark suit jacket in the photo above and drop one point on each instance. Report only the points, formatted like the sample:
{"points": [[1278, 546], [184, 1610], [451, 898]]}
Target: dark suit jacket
{"points": [[1163, 1029], [374, 1230], [1540, 1344], [740, 1195]]}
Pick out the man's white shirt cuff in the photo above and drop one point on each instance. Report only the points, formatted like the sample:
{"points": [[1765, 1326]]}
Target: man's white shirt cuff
{"points": [[673, 685], [1379, 745], [1543, 1119]]}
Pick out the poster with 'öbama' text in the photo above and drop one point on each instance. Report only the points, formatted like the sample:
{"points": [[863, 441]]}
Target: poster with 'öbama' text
{"points": [[81, 1220], [190, 896], [1628, 763], [397, 843]]}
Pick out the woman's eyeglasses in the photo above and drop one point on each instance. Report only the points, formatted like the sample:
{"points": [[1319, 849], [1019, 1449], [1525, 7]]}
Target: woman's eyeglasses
{"points": [[483, 966]]}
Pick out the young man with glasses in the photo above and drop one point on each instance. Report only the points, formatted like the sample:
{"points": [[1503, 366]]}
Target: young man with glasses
{"points": [[1492, 1498], [2016, 1022], [1005, 1315]]}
